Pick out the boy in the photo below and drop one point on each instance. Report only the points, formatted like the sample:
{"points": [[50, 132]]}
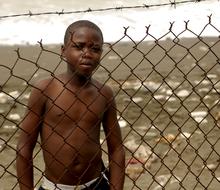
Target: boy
{"points": [[67, 111]]}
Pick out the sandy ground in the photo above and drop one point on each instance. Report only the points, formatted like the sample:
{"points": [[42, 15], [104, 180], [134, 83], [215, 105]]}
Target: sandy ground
{"points": [[168, 105]]}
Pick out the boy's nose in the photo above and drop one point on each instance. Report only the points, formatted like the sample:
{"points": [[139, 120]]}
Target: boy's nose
{"points": [[86, 52]]}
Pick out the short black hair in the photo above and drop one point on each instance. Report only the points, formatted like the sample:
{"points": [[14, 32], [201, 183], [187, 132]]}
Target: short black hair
{"points": [[78, 24]]}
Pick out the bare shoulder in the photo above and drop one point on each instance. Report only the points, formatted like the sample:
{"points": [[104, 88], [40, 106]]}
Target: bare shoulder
{"points": [[42, 85], [46, 86], [40, 91], [104, 89]]}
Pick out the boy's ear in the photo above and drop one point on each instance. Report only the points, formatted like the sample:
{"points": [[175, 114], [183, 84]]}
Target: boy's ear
{"points": [[62, 49]]}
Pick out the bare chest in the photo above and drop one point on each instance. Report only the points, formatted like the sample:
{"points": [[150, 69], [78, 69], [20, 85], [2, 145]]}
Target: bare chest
{"points": [[67, 107]]}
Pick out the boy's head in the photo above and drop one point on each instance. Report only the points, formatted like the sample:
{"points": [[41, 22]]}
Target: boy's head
{"points": [[82, 47], [78, 24]]}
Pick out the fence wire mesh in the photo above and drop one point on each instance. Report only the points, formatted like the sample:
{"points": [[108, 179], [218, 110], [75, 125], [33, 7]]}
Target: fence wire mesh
{"points": [[167, 96]]}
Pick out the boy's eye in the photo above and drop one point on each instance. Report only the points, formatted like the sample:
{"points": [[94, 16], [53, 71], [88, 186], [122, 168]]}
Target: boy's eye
{"points": [[77, 46], [96, 49]]}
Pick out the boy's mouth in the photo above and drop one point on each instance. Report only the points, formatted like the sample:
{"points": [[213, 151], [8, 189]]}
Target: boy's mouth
{"points": [[86, 65]]}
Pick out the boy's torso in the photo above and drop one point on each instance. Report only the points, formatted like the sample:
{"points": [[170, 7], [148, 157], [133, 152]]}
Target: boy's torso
{"points": [[70, 133]]}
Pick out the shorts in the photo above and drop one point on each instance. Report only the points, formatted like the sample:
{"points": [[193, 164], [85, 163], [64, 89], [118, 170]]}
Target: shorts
{"points": [[100, 183]]}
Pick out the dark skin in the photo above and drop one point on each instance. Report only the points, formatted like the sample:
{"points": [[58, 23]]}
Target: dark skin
{"points": [[67, 112]]}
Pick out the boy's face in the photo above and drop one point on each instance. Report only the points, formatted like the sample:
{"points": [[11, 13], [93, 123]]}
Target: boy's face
{"points": [[83, 50]]}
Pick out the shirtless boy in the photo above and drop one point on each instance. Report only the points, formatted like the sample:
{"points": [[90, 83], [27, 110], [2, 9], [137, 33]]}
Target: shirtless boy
{"points": [[67, 112]]}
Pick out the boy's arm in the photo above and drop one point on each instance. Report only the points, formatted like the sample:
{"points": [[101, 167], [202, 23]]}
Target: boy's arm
{"points": [[115, 147], [28, 138]]}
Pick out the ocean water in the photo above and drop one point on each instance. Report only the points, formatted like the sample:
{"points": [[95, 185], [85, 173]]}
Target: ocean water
{"points": [[50, 28], [147, 95]]}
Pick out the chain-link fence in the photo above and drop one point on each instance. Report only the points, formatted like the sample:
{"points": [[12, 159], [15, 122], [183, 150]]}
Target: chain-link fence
{"points": [[167, 95]]}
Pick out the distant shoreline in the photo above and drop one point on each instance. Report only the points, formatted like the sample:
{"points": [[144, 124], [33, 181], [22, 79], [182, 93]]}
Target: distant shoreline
{"points": [[130, 52]]}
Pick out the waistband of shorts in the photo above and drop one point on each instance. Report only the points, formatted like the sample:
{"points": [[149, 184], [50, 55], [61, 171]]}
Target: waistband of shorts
{"points": [[49, 185]]}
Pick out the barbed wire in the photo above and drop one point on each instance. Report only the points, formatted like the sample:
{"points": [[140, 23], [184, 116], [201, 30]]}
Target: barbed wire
{"points": [[62, 12], [167, 92]]}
